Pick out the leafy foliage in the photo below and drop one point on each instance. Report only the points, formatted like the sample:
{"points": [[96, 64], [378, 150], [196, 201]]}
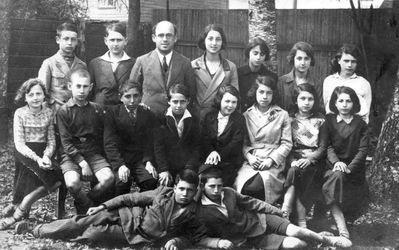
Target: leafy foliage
{"points": [[57, 9]]}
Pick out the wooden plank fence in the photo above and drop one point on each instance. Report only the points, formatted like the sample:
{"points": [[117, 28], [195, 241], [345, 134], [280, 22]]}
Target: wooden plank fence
{"points": [[32, 41], [191, 23], [326, 30]]}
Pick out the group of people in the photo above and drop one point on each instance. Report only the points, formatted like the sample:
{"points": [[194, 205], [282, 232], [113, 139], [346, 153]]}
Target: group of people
{"points": [[248, 140]]}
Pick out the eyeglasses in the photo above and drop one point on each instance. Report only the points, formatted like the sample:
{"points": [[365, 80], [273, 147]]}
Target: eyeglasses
{"points": [[168, 36]]}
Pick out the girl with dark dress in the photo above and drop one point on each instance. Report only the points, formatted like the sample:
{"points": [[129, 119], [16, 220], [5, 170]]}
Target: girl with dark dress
{"points": [[223, 132], [345, 188], [34, 140]]}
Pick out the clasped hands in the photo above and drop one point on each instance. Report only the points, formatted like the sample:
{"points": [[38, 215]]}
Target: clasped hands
{"points": [[259, 164], [341, 166]]}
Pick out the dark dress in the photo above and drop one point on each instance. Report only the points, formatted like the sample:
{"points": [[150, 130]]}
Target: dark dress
{"points": [[28, 174], [347, 143], [245, 80], [228, 144]]}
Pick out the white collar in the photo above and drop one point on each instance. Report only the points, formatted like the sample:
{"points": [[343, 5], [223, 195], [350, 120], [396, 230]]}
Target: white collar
{"points": [[337, 75], [168, 56], [206, 201], [346, 120], [185, 115], [107, 58], [220, 116]]}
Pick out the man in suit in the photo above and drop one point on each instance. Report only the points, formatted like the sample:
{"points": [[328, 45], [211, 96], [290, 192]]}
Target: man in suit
{"points": [[161, 68]]}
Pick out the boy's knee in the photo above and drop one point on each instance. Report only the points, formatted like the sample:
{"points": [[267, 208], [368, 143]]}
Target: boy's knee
{"points": [[293, 243], [72, 183], [106, 179]]}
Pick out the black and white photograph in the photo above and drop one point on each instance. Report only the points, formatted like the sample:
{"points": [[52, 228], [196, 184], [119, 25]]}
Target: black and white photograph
{"points": [[199, 124]]}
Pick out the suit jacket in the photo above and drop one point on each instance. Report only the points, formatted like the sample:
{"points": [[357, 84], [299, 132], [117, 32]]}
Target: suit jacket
{"points": [[155, 223], [246, 216], [173, 153], [229, 143], [208, 86], [148, 72], [55, 74], [126, 143], [106, 82]]}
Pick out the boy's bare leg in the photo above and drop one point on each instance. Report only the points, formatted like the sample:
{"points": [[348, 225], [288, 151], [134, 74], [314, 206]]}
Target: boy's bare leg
{"points": [[74, 186], [106, 179]]}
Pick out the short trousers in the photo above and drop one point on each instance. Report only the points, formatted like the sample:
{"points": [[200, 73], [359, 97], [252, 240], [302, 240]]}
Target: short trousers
{"points": [[275, 233], [96, 163]]}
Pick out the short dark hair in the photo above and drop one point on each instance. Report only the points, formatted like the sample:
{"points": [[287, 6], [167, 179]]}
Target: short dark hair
{"points": [[215, 27], [212, 172], [130, 84], [344, 90], [67, 26], [346, 48], [179, 89], [81, 73], [263, 80], [307, 88], [187, 175], [119, 27], [156, 25], [262, 46], [303, 46], [223, 90], [25, 89]]}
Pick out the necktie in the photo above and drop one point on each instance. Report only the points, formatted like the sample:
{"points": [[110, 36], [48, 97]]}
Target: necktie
{"points": [[164, 65]]}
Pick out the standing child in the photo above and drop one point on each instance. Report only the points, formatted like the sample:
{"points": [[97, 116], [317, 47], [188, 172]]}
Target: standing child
{"points": [[35, 144], [309, 146], [345, 187], [223, 132], [128, 141], [176, 142], [55, 71], [300, 58], [81, 127], [113, 68]]}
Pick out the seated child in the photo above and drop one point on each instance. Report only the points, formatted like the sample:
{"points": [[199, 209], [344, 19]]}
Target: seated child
{"points": [[306, 161], [34, 139], [345, 188], [128, 141], [223, 134], [176, 142], [237, 218], [169, 219], [113, 68], [55, 71], [81, 128]]}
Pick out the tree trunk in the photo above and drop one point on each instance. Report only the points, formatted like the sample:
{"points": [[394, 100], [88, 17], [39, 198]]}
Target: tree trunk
{"points": [[5, 8], [384, 173], [262, 22], [135, 41]]}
